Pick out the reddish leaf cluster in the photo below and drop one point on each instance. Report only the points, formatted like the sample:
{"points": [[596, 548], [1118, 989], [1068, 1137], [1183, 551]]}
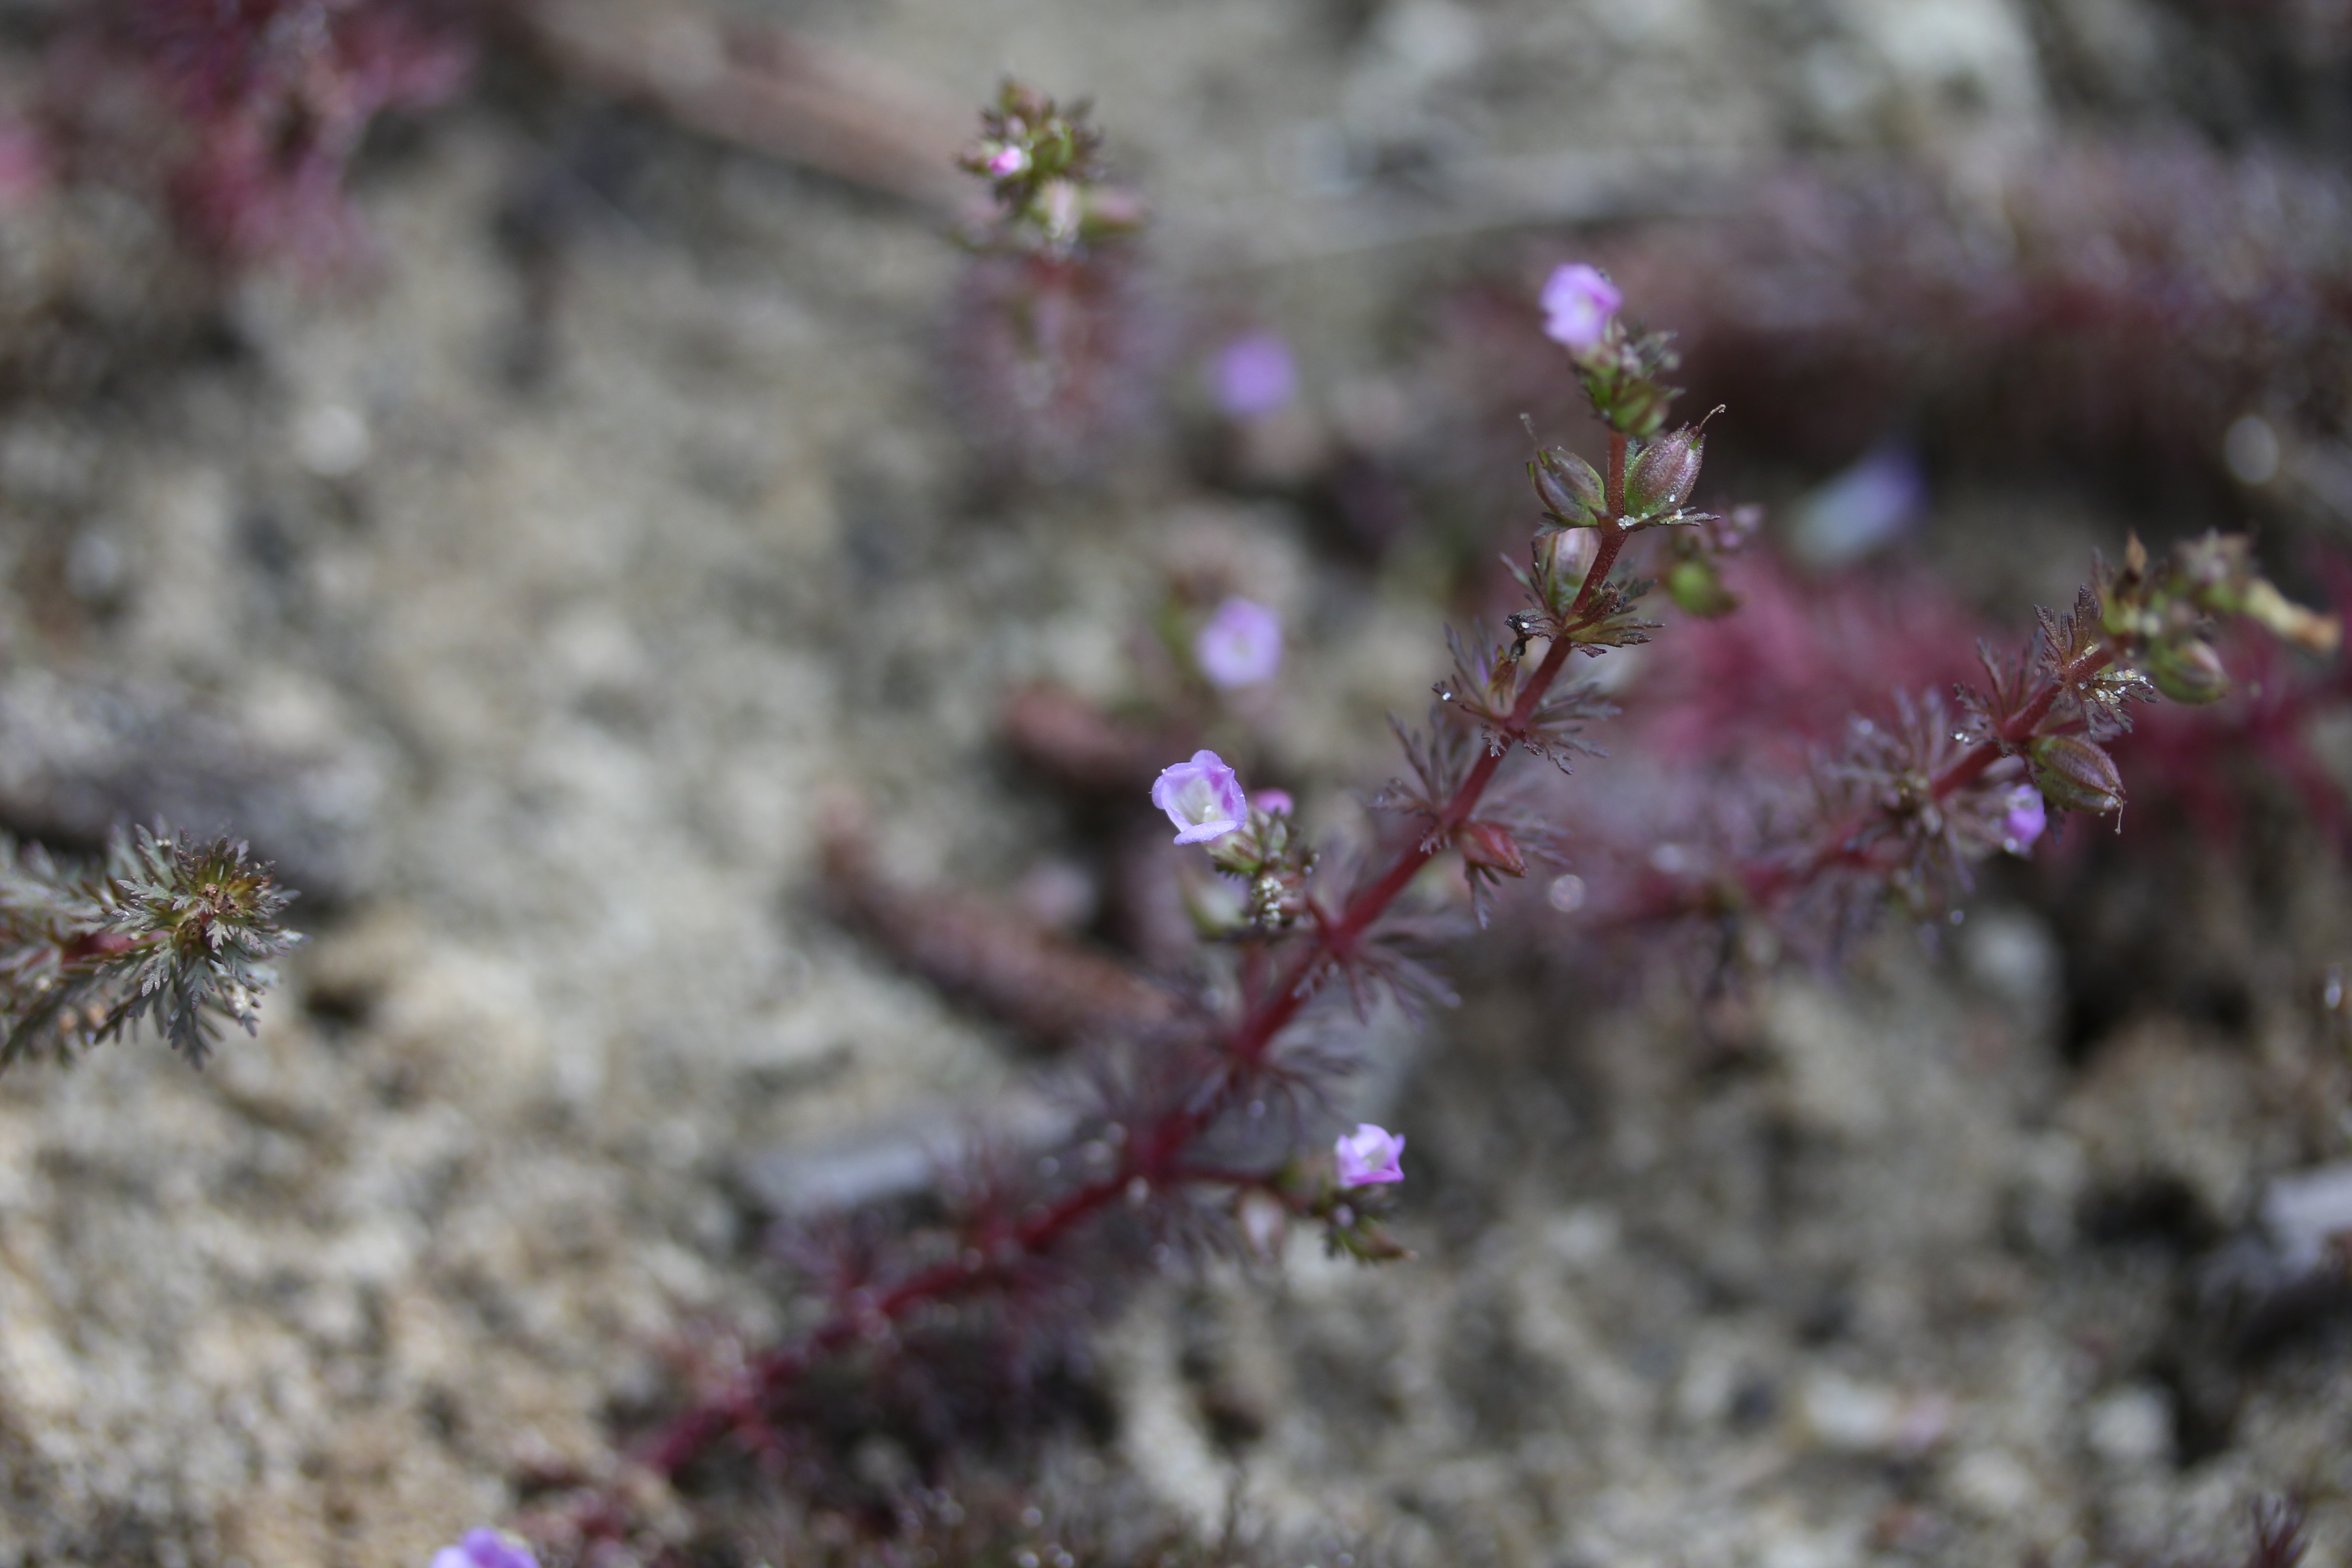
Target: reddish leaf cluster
{"points": [[244, 115]]}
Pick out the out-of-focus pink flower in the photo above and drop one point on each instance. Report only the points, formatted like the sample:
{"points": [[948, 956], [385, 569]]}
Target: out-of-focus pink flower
{"points": [[1367, 1156], [486, 1549], [1241, 646], [1273, 802], [1253, 376], [1007, 162], [2022, 822], [1202, 797], [1863, 510], [1578, 301]]}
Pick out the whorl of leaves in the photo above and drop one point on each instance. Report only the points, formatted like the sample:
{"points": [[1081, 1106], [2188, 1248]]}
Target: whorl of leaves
{"points": [[1919, 845], [176, 934]]}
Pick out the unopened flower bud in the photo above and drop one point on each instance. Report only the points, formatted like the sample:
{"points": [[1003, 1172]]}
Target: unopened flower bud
{"points": [[1275, 900], [1571, 492], [1491, 845], [1664, 475], [2188, 671], [2073, 773]]}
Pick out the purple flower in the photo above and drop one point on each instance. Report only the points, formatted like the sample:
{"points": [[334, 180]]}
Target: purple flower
{"points": [[1865, 509], [1578, 301], [1367, 1157], [1253, 376], [1202, 797], [1241, 646], [1273, 802], [1007, 162], [486, 1549], [2022, 822]]}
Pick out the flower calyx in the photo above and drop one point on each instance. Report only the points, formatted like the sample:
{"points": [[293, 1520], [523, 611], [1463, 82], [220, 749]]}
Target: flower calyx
{"points": [[2075, 774], [1663, 476], [1569, 487], [2153, 615], [1271, 859]]}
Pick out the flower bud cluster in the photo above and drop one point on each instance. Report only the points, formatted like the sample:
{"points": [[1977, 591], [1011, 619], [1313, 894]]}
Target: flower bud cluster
{"points": [[1271, 859], [2156, 619], [1051, 348], [1043, 166], [1660, 477], [1621, 368]]}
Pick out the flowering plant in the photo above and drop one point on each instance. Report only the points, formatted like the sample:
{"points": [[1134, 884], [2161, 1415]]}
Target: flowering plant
{"points": [[1367, 1157], [178, 934], [1200, 1132], [1205, 1123], [1048, 346]]}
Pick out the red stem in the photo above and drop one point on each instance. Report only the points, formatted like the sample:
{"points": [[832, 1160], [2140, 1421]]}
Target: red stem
{"points": [[1153, 1154], [1837, 846], [99, 945]]}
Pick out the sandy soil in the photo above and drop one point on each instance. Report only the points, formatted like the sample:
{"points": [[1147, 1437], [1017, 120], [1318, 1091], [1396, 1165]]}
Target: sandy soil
{"points": [[535, 638]]}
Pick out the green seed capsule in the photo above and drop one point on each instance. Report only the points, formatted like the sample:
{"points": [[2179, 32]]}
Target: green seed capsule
{"points": [[2188, 671], [2070, 771], [1664, 473]]}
